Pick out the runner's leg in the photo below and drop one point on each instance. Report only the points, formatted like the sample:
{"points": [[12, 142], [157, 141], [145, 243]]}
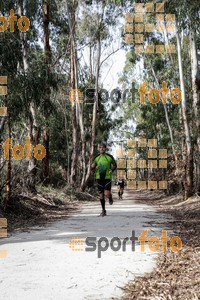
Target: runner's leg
{"points": [[108, 191], [100, 185], [119, 192], [102, 200]]}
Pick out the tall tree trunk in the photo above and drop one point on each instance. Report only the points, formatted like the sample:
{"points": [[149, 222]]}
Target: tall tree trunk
{"points": [[83, 149], [189, 155], [9, 171], [94, 116], [196, 104], [67, 134], [91, 69], [95, 106], [33, 133], [71, 20], [79, 116], [167, 120], [47, 53]]}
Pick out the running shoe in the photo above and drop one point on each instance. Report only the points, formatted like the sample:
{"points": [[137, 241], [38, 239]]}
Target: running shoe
{"points": [[103, 213]]}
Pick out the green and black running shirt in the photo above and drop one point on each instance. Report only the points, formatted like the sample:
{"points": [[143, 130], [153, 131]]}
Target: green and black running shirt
{"points": [[104, 163]]}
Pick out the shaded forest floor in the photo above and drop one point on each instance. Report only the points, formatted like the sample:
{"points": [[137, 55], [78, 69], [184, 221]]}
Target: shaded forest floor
{"points": [[41, 209], [177, 275]]}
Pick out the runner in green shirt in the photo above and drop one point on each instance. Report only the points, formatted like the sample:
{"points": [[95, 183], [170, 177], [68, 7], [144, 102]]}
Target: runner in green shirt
{"points": [[104, 164]]}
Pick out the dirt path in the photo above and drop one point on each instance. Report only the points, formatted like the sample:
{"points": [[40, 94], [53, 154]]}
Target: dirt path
{"points": [[41, 265]]}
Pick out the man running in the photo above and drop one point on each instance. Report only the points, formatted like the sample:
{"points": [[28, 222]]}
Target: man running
{"points": [[120, 184], [104, 164]]}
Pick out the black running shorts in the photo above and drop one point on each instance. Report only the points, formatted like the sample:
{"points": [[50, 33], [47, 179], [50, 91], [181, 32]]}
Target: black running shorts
{"points": [[103, 184]]}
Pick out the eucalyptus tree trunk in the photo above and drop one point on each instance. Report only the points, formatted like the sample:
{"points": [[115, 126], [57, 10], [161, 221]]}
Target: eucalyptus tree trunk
{"points": [[33, 129], [196, 103], [189, 151], [83, 147], [167, 120], [47, 54], [79, 114], [91, 69], [95, 105], [9, 172], [94, 115], [73, 84], [3, 163]]}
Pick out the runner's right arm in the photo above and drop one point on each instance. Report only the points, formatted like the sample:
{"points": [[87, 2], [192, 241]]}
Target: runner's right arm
{"points": [[94, 164]]}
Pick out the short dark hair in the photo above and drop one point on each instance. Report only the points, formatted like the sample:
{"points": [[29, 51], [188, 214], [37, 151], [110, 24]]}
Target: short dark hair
{"points": [[103, 145]]}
